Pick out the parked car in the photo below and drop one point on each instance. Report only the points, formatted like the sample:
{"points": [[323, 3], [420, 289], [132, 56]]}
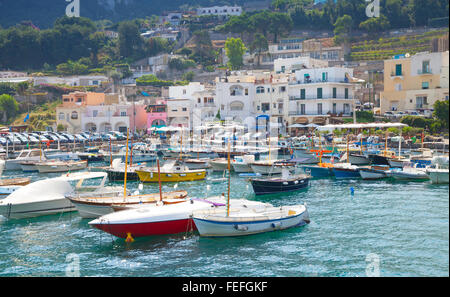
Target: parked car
{"points": [[68, 136], [107, 137], [118, 135], [388, 114], [399, 114]]}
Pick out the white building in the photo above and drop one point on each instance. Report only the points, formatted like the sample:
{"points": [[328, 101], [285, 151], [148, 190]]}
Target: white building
{"points": [[288, 65], [219, 10], [81, 80], [104, 118], [320, 93]]}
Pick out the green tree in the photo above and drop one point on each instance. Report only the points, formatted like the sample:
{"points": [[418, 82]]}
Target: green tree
{"points": [[342, 29], [259, 45], [375, 25], [280, 23], [9, 106], [130, 41], [441, 112], [235, 49]]}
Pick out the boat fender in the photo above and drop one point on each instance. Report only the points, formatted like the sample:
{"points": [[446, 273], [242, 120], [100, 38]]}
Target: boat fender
{"points": [[129, 238], [276, 225], [240, 227]]}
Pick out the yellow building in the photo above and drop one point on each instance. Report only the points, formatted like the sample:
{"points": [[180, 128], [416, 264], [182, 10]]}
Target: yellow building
{"points": [[415, 83]]}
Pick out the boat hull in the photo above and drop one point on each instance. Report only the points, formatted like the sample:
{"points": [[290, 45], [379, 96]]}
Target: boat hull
{"points": [[346, 173], [119, 175], [242, 167], [438, 177], [51, 168], [152, 177], [210, 228], [317, 171], [379, 160], [407, 176], [355, 159], [372, 174], [261, 186], [36, 209]]}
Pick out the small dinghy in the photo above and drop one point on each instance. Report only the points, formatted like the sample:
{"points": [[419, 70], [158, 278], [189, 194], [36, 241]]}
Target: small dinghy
{"points": [[374, 172]]}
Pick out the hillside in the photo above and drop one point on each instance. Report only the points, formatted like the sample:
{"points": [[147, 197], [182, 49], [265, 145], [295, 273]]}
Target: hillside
{"points": [[44, 12]]}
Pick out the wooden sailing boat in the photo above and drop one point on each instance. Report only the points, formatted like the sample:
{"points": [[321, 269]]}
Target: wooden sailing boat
{"points": [[93, 207]]}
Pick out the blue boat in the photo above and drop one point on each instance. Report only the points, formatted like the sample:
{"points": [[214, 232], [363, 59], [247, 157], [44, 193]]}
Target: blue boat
{"points": [[317, 171], [346, 172]]}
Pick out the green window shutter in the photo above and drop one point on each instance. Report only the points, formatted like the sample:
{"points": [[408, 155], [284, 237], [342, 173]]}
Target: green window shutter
{"points": [[398, 69], [302, 94], [346, 93], [319, 93], [334, 92]]}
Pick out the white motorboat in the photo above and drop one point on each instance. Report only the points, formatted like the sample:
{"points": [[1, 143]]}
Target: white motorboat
{"points": [[60, 166], [6, 190], [36, 155], [160, 218], [32, 201], [410, 173], [219, 164], [241, 164], [439, 170], [239, 221], [197, 163]]}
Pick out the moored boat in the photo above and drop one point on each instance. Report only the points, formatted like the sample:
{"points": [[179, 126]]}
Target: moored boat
{"points": [[247, 221], [60, 166], [285, 183], [374, 172], [170, 172]]}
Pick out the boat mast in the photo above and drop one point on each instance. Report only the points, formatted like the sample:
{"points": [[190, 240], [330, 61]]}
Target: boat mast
{"points": [[125, 173], [110, 153], [385, 143], [229, 179], [159, 181], [400, 144], [320, 149], [181, 148]]}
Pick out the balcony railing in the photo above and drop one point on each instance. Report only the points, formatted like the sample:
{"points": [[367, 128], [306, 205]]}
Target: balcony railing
{"points": [[299, 113], [293, 98], [315, 81], [394, 74], [424, 71]]}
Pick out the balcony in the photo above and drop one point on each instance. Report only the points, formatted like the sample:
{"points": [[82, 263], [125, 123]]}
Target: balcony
{"points": [[316, 81], [424, 71], [395, 74]]}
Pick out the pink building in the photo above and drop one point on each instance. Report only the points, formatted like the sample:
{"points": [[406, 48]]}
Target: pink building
{"points": [[157, 114], [138, 116]]}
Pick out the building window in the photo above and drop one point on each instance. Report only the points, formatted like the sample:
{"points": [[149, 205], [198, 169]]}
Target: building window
{"points": [[319, 93], [74, 115], [302, 108], [199, 100], [265, 107], [425, 85], [184, 109], [324, 76], [334, 92], [398, 70], [61, 115], [346, 93], [334, 108], [282, 89], [123, 113], [319, 108], [302, 94], [236, 105], [398, 87], [236, 91], [426, 67], [246, 92], [259, 90], [184, 91], [94, 113]]}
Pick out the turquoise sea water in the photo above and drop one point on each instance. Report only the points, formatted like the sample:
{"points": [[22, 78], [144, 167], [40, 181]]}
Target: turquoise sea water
{"points": [[403, 225]]}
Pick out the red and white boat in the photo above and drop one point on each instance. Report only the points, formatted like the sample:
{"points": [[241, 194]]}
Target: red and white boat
{"points": [[160, 218]]}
